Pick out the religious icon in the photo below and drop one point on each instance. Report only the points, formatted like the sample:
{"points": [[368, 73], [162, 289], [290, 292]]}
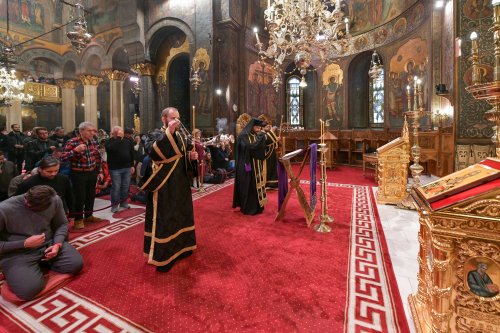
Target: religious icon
{"points": [[482, 277]]}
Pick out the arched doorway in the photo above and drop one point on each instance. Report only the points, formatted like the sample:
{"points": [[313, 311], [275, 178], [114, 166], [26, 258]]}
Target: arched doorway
{"points": [[359, 91], [179, 88]]}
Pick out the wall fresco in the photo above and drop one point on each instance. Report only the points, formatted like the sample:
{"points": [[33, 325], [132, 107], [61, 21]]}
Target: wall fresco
{"points": [[473, 15], [262, 97], [333, 86], [409, 61]]}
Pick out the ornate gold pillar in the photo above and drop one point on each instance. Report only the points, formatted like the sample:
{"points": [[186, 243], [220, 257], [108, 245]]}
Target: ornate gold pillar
{"points": [[90, 83], [440, 290], [148, 118], [116, 79], [14, 115], [68, 103]]}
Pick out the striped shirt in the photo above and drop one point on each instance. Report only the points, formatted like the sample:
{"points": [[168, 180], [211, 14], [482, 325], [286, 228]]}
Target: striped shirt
{"points": [[89, 159]]}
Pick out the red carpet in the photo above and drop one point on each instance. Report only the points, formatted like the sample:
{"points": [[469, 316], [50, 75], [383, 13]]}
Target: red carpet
{"points": [[126, 213], [248, 275], [73, 233]]}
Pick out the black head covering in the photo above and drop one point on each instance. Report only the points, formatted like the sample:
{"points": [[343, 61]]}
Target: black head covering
{"points": [[253, 122]]}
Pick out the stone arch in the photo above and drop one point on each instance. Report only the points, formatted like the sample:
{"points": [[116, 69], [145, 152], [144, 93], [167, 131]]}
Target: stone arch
{"points": [[120, 60], [158, 31], [358, 88], [91, 53], [48, 56], [93, 65]]}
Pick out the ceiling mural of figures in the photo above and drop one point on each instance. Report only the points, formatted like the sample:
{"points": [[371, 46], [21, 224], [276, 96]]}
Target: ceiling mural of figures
{"points": [[368, 14], [28, 15], [104, 16]]}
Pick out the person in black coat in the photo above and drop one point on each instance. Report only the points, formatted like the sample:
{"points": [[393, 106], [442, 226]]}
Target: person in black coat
{"points": [[38, 148], [16, 141]]}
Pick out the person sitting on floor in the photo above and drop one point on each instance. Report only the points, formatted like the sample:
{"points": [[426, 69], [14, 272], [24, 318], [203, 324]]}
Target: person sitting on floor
{"points": [[103, 185], [33, 231]]}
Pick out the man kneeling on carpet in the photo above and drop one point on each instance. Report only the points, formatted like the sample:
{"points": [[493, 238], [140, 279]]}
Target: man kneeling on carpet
{"points": [[33, 233]]}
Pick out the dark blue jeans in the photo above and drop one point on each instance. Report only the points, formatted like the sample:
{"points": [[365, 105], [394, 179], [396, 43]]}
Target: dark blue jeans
{"points": [[120, 183]]}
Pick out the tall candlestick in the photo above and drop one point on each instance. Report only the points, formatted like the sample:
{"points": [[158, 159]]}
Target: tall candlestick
{"points": [[408, 96], [415, 101], [193, 125]]}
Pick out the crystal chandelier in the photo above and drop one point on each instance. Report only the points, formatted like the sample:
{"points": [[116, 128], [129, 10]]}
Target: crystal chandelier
{"points": [[303, 28], [79, 36], [11, 88]]}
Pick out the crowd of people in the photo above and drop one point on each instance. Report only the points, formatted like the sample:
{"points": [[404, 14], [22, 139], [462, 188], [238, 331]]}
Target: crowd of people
{"points": [[49, 178]]}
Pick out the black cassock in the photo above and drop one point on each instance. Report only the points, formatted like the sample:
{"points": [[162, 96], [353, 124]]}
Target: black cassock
{"points": [[169, 225], [250, 180]]}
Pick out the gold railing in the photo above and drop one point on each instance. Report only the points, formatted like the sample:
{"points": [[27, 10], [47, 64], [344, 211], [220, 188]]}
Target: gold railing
{"points": [[43, 92]]}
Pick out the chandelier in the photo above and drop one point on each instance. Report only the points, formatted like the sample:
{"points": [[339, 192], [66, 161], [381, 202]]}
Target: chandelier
{"points": [[79, 36], [136, 88], [11, 88], [376, 67], [302, 28]]}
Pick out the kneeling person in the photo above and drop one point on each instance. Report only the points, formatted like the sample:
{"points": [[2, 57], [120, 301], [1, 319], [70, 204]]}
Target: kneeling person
{"points": [[33, 230]]}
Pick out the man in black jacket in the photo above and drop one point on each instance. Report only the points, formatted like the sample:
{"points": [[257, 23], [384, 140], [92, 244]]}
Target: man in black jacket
{"points": [[16, 141], [120, 152], [39, 148]]}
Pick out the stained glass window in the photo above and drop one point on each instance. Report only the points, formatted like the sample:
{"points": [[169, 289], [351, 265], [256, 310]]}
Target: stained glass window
{"points": [[377, 100], [294, 102]]}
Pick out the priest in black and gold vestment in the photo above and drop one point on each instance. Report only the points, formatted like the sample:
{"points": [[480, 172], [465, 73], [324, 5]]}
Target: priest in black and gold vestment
{"points": [[169, 226], [250, 179]]}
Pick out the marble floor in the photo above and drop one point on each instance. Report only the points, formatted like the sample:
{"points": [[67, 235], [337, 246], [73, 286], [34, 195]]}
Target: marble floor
{"points": [[401, 233]]}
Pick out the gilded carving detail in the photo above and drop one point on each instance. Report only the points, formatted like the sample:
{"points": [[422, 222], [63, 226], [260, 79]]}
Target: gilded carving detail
{"points": [[488, 207], [90, 80], [43, 92], [115, 75], [67, 84], [144, 68]]}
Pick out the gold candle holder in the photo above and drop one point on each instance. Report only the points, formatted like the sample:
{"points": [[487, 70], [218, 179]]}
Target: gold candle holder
{"points": [[324, 217]]}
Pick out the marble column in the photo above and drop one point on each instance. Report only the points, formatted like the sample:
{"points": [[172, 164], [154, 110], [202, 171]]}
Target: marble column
{"points": [[116, 79], [90, 83], [14, 115], [149, 119], [68, 103]]}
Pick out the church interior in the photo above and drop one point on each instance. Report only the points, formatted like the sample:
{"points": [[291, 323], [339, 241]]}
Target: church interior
{"points": [[387, 116]]}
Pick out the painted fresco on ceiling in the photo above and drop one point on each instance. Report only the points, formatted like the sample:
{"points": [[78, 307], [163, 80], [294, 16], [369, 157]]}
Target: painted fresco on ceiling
{"points": [[368, 14], [409, 61], [262, 96], [474, 15], [26, 15], [104, 16], [333, 79]]}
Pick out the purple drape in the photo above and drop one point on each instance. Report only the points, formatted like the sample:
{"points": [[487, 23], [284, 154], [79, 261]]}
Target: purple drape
{"points": [[312, 186], [282, 184]]}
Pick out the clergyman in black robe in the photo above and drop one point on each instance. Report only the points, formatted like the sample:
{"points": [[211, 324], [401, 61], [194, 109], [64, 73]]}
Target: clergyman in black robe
{"points": [[169, 225], [250, 178]]}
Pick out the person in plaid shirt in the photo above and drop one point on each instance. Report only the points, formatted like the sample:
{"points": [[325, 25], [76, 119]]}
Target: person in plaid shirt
{"points": [[83, 154]]}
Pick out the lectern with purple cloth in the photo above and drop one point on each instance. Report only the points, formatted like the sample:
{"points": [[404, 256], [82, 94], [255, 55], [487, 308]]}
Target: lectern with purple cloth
{"points": [[285, 171]]}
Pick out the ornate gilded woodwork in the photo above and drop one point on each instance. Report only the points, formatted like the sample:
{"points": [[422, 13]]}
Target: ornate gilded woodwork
{"points": [[144, 68], [90, 80], [67, 84], [393, 159], [115, 75], [457, 242], [42, 92]]}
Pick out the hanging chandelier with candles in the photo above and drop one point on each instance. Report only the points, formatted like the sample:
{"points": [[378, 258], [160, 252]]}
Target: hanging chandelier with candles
{"points": [[79, 36], [11, 88], [302, 28]]}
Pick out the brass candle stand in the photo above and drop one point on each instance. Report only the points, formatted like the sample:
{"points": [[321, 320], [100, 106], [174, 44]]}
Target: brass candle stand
{"points": [[415, 115], [489, 91], [324, 217]]}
